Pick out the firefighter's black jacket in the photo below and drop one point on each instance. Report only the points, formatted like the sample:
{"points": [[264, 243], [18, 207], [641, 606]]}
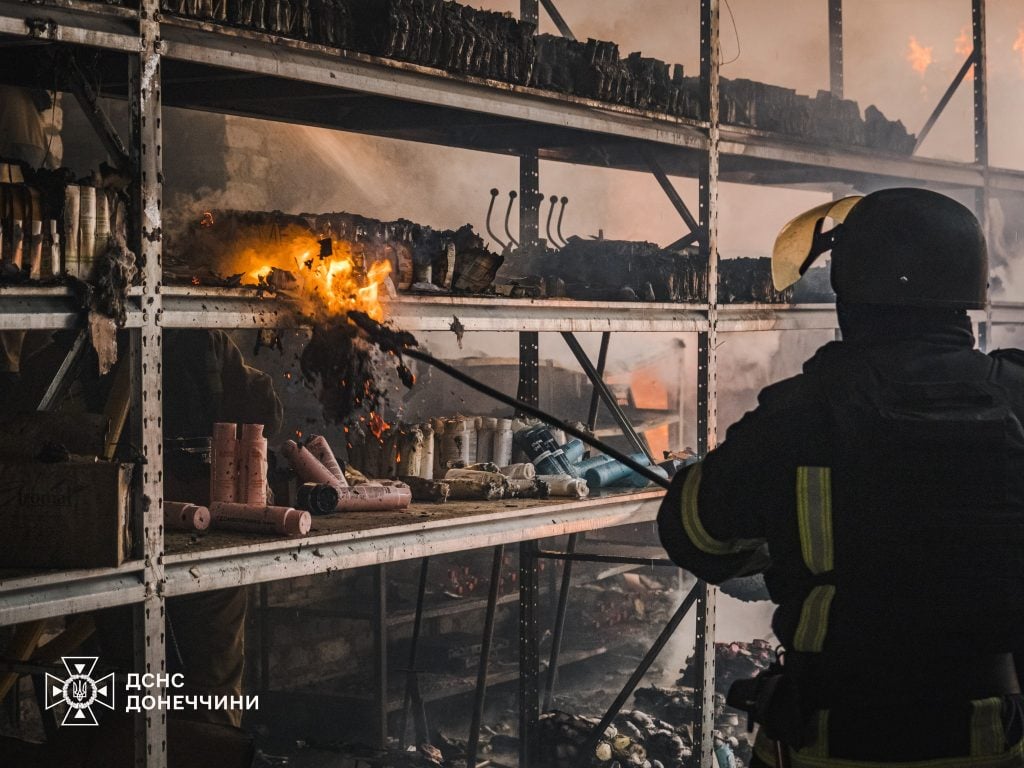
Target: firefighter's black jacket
{"points": [[887, 483]]}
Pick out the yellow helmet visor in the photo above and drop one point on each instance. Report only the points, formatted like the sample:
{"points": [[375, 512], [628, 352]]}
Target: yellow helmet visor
{"points": [[793, 251]]}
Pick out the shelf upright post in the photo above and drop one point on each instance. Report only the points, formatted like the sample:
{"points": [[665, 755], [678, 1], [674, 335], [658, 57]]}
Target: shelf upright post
{"points": [[981, 203], [529, 232], [835, 47], [380, 652], [529, 654], [529, 343], [710, 62], [146, 156]]}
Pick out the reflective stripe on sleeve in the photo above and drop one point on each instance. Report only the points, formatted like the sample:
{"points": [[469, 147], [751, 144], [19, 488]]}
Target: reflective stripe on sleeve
{"points": [[810, 632], [814, 514], [694, 528], [987, 737], [814, 521]]}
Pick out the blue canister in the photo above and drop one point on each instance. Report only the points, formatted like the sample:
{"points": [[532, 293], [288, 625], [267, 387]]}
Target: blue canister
{"points": [[616, 473], [587, 464], [539, 445], [573, 451]]}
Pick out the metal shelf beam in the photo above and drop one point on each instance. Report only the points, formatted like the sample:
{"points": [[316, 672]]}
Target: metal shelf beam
{"points": [[59, 593], [253, 563], [255, 53], [93, 24]]}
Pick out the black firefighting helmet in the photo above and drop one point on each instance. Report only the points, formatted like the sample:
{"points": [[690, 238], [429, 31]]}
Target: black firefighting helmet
{"points": [[900, 246]]}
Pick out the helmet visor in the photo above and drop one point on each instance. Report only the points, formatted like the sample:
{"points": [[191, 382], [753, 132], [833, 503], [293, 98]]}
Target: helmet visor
{"points": [[795, 250]]}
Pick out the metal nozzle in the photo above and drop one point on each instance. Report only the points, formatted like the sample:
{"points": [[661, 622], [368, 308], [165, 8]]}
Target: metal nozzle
{"points": [[508, 213], [561, 214], [490, 210], [551, 211]]}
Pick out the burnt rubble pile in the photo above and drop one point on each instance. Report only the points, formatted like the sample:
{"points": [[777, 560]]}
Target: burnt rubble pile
{"points": [[633, 740], [824, 117], [422, 258], [619, 270], [446, 35], [745, 280], [465, 41], [594, 70]]}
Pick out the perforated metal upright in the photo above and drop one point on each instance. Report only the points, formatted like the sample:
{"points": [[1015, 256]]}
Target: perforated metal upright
{"points": [[146, 149], [981, 194], [707, 343]]}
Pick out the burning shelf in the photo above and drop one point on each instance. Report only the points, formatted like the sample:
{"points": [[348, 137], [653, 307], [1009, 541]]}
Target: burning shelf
{"points": [[346, 258]]}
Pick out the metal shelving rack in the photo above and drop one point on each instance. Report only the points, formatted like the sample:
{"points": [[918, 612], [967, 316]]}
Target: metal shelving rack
{"points": [[178, 62]]}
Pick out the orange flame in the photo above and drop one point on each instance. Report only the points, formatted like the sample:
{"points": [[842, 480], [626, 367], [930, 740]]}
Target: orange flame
{"points": [[964, 44], [919, 56], [1018, 44], [332, 285], [964, 47], [377, 424]]}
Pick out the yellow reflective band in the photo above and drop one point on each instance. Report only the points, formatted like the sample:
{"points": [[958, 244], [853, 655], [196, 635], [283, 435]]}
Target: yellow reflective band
{"points": [[987, 737], [694, 528], [810, 632], [814, 516], [819, 747], [764, 748], [1009, 759]]}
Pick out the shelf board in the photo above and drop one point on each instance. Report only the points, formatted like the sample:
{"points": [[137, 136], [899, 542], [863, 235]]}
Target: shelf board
{"points": [[753, 156], [438, 313], [34, 307], [356, 91], [204, 307], [222, 559], [776, 317], [71, 21], [32, 595], [236, 71]]}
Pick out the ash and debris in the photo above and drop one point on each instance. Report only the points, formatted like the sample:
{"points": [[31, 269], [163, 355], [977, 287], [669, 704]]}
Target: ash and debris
{"points": [[465, 41], [349, 373]]}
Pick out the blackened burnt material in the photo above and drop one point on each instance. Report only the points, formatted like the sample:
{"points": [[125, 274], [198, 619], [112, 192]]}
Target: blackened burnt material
{"points": [[623, 270], [466, 41]]}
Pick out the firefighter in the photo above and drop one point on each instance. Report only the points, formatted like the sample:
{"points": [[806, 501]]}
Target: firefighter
{"points": [[881, 492]]}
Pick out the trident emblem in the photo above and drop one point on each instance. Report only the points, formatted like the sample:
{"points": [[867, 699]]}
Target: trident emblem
{"points": [[79, 691]]}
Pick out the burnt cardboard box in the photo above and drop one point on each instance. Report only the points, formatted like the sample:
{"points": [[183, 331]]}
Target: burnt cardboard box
{"points": [[71, 514]]}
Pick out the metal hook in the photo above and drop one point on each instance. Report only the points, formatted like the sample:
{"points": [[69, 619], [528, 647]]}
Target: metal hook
{"points": [[511, 199], [490, 209], [561, 213], [551, 210]]}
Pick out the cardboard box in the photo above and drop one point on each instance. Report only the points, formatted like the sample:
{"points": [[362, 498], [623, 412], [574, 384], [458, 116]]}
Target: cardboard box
{"points": [[64, 515]]}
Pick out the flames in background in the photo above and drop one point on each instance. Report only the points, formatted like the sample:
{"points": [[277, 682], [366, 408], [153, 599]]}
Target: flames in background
{"points": [[919, 56]]}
